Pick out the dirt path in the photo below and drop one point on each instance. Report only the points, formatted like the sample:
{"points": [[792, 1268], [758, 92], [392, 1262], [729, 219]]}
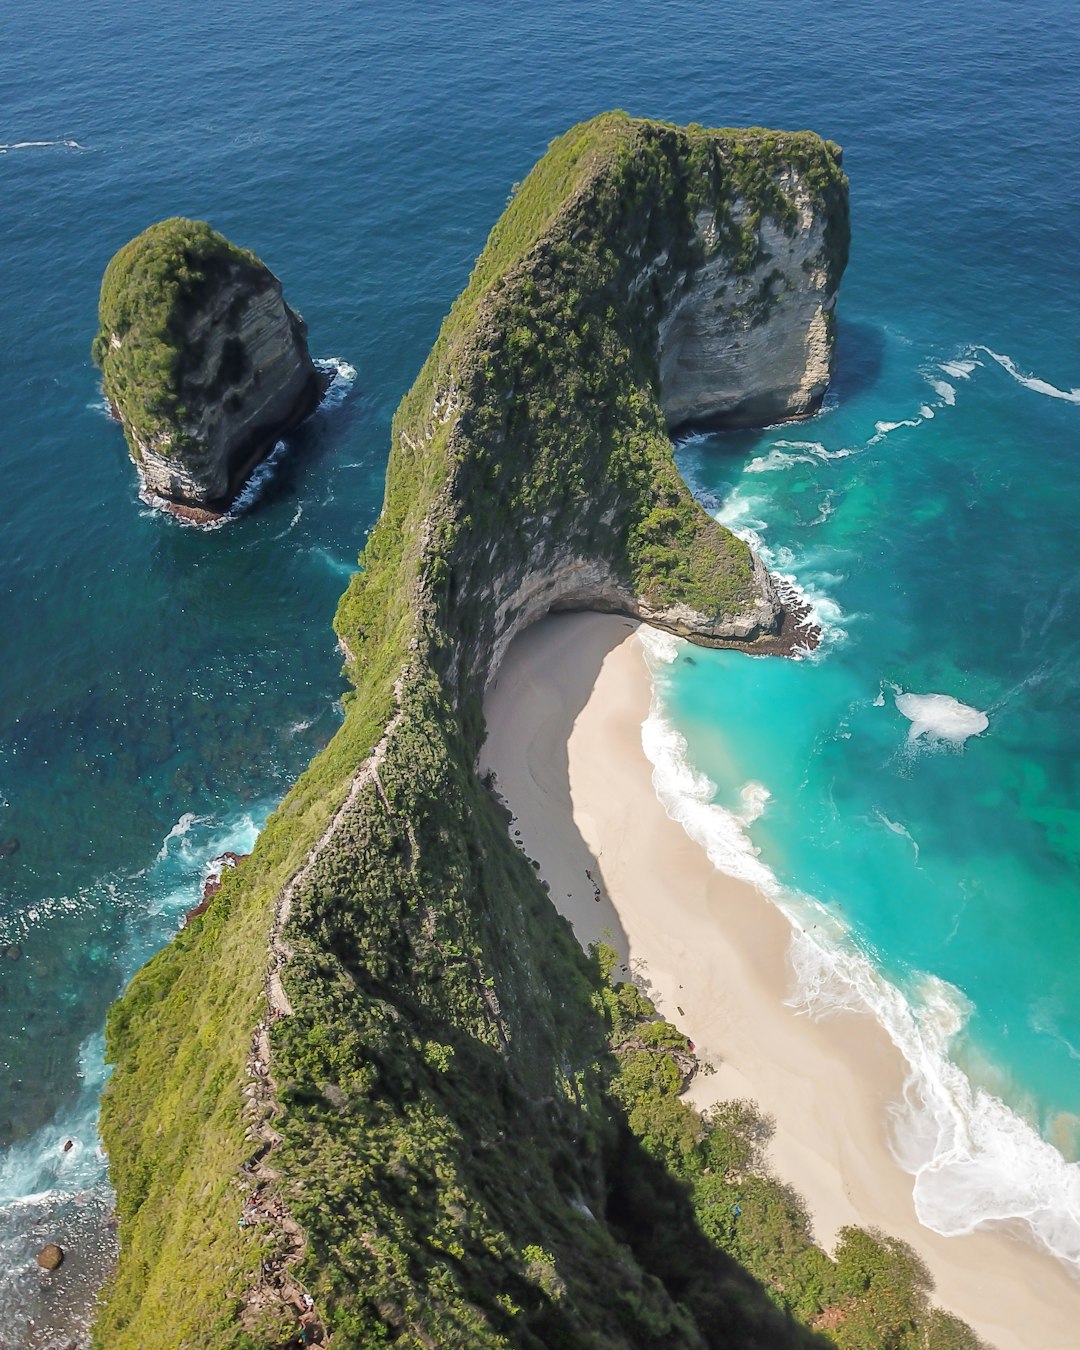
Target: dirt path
{"points": [[263, 1205]]}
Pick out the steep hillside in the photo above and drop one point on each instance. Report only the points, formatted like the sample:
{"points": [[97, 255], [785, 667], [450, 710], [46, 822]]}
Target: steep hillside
{"points": [[381, 1049]]}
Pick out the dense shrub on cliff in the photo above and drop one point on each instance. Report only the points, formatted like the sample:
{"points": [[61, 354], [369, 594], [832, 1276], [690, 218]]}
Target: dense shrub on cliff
{"points": [[480, 1138], [873, 1294]]}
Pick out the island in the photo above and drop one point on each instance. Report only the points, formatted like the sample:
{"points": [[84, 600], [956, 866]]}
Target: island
{"points": [[376, 1093], [202, 362]]}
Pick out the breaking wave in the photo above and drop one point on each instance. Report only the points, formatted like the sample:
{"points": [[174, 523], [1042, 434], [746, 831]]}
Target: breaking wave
{"points": [[957, 368], [342, 378], [257, 484], [799, 574], [1031, 381], [974, 1160], [53, 1184], [41, 145], [937, 718]]}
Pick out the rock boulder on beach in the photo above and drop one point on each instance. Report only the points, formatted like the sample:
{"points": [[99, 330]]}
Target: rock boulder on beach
{"points": [[51, 1256]]}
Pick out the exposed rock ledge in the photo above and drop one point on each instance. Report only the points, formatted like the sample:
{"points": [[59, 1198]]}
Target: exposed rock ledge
{"points": [[203, 362]]}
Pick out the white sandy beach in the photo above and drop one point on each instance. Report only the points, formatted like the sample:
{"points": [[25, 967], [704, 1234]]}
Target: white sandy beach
{"points": [[564, 719]]}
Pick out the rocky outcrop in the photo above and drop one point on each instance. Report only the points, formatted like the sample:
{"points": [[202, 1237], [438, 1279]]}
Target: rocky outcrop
{"points": [[749, 348], [203, 362], [688, 280], [213, 882], [574, 583]]}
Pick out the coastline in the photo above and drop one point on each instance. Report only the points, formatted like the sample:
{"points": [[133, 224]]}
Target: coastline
{"points": [[564, 714]]}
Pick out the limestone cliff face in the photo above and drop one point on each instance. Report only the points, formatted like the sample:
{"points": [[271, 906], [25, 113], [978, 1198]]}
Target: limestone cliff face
{"points": [[203, 361], [253, 382], [739, 349], [566, 582]]}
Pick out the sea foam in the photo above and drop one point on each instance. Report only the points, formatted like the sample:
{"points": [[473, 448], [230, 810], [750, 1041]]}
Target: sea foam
{"points": [[178, 831], [960, 369], [38, 1167], [342, 378], [974, 1160], [882, 429], [44, 1186], [41, 145], [1031, 381], [940, 717], [799, 573], [780, 456]]}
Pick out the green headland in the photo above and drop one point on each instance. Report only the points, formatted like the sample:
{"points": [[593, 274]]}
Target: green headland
{"points": [[457, 1130]]}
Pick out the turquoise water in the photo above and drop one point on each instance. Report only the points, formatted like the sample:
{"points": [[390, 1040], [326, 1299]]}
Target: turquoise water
{"points": [[941, 830], [161, 686]]}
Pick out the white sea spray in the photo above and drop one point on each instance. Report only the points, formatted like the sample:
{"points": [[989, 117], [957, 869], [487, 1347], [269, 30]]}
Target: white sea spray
{"points": [[937, 718], [803, 575], [1032, 382]]}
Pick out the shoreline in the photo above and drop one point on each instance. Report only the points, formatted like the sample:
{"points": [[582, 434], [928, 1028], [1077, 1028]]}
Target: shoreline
{"points": [[564, 715]]}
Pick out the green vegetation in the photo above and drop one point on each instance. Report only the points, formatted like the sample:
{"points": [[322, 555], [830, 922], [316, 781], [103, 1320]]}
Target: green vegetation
{"points": [[549, 350], [481, 1137], [149, 290], [873, 1295]]}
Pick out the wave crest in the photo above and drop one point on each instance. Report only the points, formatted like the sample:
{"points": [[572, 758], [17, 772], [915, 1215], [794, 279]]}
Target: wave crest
{"points": [[1032, 382]]}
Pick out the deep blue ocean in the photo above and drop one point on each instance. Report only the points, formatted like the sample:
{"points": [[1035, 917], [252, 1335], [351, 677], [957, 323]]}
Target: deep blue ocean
{"points": [[914, 785]]}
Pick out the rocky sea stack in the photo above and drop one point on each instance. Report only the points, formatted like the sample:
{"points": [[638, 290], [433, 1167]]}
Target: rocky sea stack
{"points": [[202, 361]]}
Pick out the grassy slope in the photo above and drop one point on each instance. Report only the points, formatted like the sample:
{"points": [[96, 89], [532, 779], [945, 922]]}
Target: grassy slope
{"points": [[454, 1126]]}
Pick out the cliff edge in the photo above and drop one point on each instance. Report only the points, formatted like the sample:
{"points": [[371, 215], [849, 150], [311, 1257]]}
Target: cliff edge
{"points": [[202, 361], [380, 1048]]}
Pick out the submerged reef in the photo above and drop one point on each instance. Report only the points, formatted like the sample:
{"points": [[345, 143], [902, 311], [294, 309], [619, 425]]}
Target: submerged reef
{"points": [[376, 1094], [202, 361]]}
